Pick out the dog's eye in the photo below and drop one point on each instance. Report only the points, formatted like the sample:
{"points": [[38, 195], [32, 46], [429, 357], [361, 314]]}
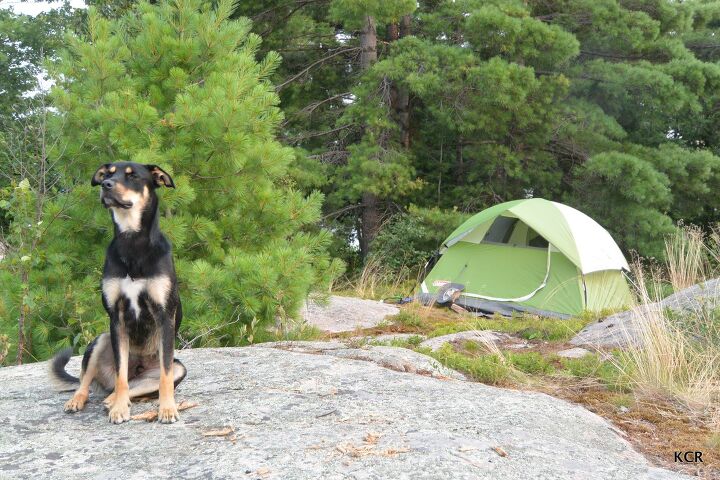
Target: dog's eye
{"points": [[131, 175]]}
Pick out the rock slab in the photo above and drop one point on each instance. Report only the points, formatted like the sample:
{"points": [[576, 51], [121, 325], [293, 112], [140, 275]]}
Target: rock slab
{"points": [[479, 336], [310, 416], [621, 329], [345, 314], [398, 359], [576, 352]]}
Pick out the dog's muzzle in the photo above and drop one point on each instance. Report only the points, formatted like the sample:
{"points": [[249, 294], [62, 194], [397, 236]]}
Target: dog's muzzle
{"points": [[108, 199]]}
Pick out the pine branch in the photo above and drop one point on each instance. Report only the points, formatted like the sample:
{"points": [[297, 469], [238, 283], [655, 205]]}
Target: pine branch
{"points": [[313, 65], [300, 138]]}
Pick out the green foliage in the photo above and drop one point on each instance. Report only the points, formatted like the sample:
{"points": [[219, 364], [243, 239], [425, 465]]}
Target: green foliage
{"points": [[513, 35], [493, 368], [528, 327], [410, 239], [607, 105], [532, 363], [177, 84], [408, 318], [354, 12], [630, 194], [607, 371], [25, 41], [490, 369]]}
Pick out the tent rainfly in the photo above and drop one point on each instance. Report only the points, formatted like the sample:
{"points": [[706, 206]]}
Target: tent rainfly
{"points": [[532, 255]]}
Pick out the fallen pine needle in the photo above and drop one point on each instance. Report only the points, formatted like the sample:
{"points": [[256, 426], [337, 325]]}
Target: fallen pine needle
{"points": [[220, 432], [365, 450], [151, 415], [391, 452], [371, 437], [500, 451], [184, 405]]}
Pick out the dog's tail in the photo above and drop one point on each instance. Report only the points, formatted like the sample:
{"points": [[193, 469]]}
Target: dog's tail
{"points": [[59, 376]]}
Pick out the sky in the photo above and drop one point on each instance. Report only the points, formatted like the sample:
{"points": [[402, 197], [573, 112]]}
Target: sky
{"points": [[33, 8]]}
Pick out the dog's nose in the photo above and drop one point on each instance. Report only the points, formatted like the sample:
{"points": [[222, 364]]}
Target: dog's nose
{"points": [[107, 184]]}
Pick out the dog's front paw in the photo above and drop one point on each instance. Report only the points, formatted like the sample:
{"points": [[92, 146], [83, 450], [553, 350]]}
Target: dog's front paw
{"points": [[168, 414], [108, 402], [76, 403], [119, 411]]}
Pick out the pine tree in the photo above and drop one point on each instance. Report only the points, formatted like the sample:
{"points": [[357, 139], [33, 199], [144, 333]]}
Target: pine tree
{"points": [[378, 167], [177, 84], [507, 99]]}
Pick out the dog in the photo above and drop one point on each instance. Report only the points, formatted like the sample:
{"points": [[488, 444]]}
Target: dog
{"points": [[140, 295]]}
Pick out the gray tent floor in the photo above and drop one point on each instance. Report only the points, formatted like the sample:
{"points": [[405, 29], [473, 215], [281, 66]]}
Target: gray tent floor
{"points": [[489, 307]]}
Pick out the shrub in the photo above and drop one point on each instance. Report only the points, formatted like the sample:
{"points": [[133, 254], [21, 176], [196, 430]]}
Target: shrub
{"points": [[408, 240], [176, 84]]}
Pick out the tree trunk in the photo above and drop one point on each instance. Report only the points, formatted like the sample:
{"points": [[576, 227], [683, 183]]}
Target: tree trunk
{"points": [[368, 44], [402, 107], [399, 95], [370, 218], [370, 221], [21, 320], [459, 163]]}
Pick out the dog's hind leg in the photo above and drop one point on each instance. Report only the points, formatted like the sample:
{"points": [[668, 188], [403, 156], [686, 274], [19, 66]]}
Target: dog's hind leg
{"points": [[89, 371], [146, 384]]}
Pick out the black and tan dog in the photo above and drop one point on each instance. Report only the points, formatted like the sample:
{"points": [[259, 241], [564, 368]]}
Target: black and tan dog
{"points": [[140, 294]]}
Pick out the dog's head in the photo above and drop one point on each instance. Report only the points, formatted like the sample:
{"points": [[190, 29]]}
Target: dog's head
{"points": [[126, 185]]}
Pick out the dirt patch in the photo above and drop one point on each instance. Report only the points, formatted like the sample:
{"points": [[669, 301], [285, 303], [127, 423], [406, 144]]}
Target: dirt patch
{"points": [[656, 429]]}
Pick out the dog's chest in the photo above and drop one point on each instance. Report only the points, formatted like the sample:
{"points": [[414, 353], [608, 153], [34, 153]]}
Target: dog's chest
{"points": [[155, 288]]}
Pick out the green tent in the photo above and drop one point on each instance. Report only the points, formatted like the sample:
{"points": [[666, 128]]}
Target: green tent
{"points": [[532, 255]]}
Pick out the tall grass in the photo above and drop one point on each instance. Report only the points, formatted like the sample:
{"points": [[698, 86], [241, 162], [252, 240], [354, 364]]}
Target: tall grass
{"points": [[687, 254], [378, 281], [4, 347], [676, 355]]}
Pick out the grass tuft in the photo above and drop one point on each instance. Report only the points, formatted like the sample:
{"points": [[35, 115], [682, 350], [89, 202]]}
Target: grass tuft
{"points": [[677, 355], [408, 318], [594, 367], [492, 369], [525, 326], [377, 281]]}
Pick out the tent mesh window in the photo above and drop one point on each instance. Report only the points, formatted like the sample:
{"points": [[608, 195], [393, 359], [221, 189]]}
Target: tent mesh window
{"points": [[501, 230], [511, 231], [536, 240]]}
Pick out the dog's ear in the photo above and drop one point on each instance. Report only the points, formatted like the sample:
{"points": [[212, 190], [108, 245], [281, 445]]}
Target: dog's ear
{"points": [[160, 176], [99, 174]]}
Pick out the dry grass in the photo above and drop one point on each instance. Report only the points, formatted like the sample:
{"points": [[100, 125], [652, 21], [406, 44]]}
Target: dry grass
{"points": [[4, 347], [677, 357], [686, 253], [376, 281]]}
